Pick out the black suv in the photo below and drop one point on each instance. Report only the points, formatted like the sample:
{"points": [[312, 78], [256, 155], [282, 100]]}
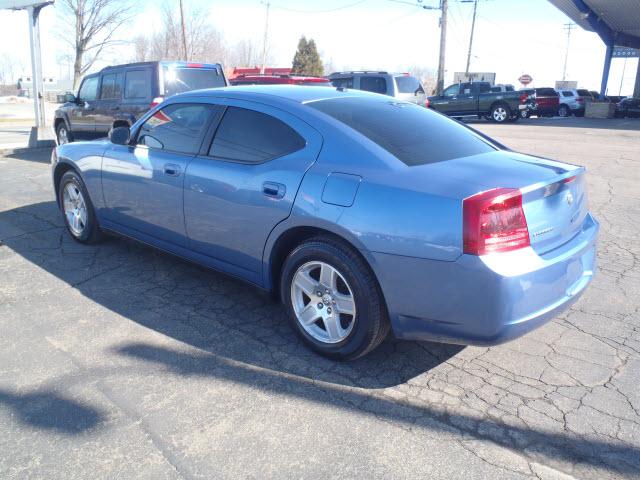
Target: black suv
{"points": [[119, 95]]}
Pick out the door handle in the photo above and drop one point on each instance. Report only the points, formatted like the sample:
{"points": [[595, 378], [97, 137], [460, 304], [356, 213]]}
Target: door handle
{"points": [[171, 169], [273, 189]]}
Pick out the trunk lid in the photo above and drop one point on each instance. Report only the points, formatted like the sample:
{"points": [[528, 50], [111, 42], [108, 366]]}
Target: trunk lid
{"points": [[554, 197], [555, 210]]}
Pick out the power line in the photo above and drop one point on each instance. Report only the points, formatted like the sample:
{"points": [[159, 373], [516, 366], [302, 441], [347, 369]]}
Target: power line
{"points": [[329, 10]]}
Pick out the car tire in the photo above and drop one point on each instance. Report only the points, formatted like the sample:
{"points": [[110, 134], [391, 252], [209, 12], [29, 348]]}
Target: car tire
{"points": [[63, 134], [500, 113], [524, 113], [77, 209], [322, 280], [564, 111]]}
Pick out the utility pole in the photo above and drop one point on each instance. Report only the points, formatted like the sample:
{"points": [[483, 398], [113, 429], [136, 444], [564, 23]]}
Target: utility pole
{"points": [[443, 41], [473, 26], [568, 27], [264, 40], [184, 36]]}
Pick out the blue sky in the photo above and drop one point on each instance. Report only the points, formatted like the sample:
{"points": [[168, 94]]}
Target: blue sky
{"points": [[512, 36]]}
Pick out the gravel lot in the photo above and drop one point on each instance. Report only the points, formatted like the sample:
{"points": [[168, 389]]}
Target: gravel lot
{"points": [[118, 361]]}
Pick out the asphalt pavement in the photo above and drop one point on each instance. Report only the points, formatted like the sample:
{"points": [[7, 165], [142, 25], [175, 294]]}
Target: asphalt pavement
{"points": [[119, 361]]}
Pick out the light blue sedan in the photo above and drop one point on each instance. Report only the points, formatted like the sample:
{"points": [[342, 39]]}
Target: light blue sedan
{"points": [[361, 212]]}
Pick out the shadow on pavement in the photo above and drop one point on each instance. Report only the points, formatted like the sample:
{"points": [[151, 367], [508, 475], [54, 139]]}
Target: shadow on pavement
{"points": [[49, 411], [242, 337], [40, 155]]}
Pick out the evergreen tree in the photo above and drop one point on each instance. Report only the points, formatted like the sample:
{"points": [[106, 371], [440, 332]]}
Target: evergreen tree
{"points": [[306, 60]]}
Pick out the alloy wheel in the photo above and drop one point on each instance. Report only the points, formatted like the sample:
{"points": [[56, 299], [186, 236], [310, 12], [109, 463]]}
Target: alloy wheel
{"points": [[75, 208], [63, 136], [323, 302], [499, 114]]}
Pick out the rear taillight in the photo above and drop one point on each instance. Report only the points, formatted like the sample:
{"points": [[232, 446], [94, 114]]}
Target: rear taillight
{"points": [[156, 101], [427, 103], [523, 98], [494, 222]]}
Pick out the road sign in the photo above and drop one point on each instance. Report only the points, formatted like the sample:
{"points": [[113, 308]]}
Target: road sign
{"points": [[625, 52], [459, 77], [525, 79]]}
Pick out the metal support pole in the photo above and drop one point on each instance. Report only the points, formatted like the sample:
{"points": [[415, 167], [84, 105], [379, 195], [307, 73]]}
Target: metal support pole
{"points": [[36, 65], [605, 71], [636, 89]]}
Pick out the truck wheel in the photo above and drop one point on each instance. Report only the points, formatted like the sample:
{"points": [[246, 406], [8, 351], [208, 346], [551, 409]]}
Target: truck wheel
{"points": [[63, 135], [500, 113], [524, 113]]}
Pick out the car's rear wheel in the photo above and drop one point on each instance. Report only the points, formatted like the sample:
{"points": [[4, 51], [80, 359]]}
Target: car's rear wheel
{"points": [[63, 134], [500, 113], [563, 111], [333, 300], [77, 209], [525, 113]]}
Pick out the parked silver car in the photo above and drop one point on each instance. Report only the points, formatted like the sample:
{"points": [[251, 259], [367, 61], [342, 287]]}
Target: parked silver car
{"points": [[402, 86]]}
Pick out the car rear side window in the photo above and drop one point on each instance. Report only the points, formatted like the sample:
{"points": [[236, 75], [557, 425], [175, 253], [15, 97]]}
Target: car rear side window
{"points": [[111, 86], [253, 137], [89, 89], [413, 134], [137, 84], [567, 93], [373, 84], [177, 80], [408, 84], [344, 82], [178, 128]]}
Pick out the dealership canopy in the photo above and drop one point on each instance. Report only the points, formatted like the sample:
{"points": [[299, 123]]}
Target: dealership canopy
{"points": [[617, 22]]}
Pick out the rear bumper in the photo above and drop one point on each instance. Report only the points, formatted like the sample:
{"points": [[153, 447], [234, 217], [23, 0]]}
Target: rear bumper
{"points": [[485, 300]]}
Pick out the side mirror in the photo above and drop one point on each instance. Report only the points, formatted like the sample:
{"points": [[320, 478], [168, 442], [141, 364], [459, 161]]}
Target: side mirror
{"points": [[70, 98], [120, 135]]}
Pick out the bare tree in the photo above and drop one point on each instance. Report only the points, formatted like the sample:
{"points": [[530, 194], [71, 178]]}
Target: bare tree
{"points": [[95, 23], [204, 42], [427, 77], [10, 65]]}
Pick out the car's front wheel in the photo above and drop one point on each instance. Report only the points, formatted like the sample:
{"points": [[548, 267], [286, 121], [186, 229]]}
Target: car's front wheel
{"points": [[63, 135], [77, 209], [333, 300]]}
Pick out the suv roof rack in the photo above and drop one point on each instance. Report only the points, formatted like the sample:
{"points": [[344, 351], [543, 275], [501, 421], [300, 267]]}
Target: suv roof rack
{"points": [[360, 71]]}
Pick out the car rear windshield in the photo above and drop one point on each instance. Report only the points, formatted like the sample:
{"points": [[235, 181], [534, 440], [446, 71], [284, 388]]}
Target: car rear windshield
{"points": [[178, 80], [413, 134], [408, 84], [546, 92]]}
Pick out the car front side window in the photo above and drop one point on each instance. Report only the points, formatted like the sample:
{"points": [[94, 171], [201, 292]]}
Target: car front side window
{"points": [[177, 128], [89, 89]]}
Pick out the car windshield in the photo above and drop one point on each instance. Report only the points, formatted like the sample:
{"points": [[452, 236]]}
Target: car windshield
{"points": [[408, 84], [413, 134], [178, 80]]}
